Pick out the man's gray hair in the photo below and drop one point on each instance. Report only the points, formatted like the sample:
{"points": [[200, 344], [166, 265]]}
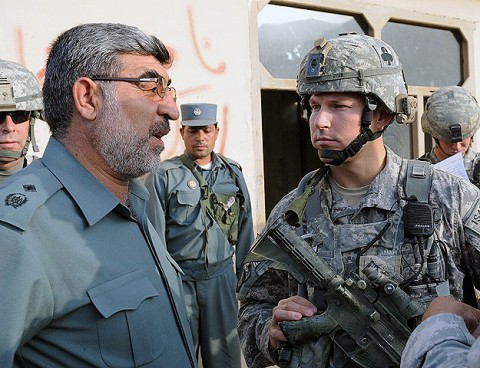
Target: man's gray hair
{"points": [[89, 50]]}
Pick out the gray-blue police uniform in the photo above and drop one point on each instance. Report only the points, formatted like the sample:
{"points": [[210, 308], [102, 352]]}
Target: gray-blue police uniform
{"points": [[84, 280], [202, 250]]}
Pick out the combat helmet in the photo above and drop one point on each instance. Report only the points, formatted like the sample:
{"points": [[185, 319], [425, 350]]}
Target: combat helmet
{"points": [[451, 114], [19, 90], [353, 63]]}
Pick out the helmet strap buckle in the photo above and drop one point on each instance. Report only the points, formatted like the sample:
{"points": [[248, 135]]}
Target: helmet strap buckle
{"points": [[455, 133]]}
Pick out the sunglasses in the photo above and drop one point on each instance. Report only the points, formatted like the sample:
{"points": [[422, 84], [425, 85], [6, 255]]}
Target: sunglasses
{"points": [[16, 116]]}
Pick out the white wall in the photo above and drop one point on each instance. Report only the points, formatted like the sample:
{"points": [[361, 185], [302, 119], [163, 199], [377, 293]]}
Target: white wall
{"points": [[213, 58], [208, 38]]}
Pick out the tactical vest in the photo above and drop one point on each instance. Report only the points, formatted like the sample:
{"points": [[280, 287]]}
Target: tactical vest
{"points": [[417, 183], [224, 209], [307, 206]]}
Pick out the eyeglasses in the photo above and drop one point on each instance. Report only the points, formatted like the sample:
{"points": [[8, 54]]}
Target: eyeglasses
{"points": [[158, 85], [16, 116]]}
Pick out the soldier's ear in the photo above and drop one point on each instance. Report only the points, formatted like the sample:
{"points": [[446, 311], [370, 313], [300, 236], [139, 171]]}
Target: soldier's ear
{"points": [[381, 118]]}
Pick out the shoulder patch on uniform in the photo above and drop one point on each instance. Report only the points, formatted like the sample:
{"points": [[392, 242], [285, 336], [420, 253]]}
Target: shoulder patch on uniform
{"points": [[20, 199], [473, 221]]}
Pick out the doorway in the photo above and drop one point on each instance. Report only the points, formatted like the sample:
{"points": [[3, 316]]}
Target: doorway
{"points": [[287, 151]]}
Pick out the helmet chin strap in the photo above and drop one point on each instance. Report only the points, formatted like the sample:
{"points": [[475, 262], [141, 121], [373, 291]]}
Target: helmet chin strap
{"points": [[338, 157], [437, 141], [438, 145], [13, 155]]}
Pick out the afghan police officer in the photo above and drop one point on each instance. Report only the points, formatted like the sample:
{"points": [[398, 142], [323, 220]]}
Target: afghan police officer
{"points": [[203, 198], [452, 117], [85, 280], [361, 210], [20, 105]]}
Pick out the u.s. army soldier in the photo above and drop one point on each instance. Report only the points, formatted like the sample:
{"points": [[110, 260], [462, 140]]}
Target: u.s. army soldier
{"points": [[20, 105], [365, 208], [452, 117]]}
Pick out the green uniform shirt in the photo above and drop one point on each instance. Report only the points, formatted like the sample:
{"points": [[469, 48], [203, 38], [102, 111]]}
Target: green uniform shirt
{"points": [[79, 286]]}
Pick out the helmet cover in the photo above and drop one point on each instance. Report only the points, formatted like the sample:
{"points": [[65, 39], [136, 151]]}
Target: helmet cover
{"points": [[19, 88], [451, 114], [353, 63]]}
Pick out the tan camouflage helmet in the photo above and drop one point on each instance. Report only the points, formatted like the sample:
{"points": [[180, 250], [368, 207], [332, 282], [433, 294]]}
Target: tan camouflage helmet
{"points": [[19, 88], [451, 114], [357, 64]]}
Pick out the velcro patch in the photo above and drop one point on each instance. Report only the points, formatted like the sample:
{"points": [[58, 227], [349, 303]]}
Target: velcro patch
{"points": [[315, 61], [473, 221]]}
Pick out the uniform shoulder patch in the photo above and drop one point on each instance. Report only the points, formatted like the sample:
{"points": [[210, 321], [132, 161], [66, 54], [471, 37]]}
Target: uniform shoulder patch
{"points": [[21, 197]]}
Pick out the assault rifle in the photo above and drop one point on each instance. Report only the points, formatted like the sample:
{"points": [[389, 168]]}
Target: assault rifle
{"points": [[367, 318]]}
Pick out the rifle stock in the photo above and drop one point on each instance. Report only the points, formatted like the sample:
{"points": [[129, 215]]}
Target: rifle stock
{"points": [[367, 319]]}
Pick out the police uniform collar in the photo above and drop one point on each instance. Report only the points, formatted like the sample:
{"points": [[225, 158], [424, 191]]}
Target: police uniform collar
{"points": [[92, 197], [216, 161]]}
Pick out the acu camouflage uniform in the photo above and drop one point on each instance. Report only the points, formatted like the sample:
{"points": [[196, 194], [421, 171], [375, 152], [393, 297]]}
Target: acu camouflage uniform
{"points": [[442, 341], [339, 233], [451, 108], [471, 160]]}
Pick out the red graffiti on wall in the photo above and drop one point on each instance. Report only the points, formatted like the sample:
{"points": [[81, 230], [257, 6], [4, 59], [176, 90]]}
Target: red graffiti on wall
{"points": [[221, 67], [20, 48], [198, 48], [21, 54], [177, 145]]}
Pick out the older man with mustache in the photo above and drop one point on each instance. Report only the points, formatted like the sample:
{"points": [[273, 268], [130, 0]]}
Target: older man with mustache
{"points": [[85, 280]]}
